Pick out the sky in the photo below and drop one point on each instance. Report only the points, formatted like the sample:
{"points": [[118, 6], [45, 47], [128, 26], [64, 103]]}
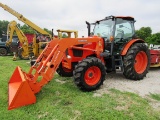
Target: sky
{"points": [[72, 14]]}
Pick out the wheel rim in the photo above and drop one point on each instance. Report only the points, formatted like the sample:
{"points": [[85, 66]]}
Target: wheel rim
{"points": [[140, 63], [92, 75], [3, 52]]}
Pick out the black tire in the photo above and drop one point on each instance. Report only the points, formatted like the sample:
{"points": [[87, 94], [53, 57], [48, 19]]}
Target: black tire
{"points": [[134, 68], [32, 62], [64, 72], [81, 70], [3, 52]]}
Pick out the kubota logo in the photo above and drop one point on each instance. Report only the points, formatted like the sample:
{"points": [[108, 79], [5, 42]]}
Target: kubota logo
{"points": [[82, 40]]}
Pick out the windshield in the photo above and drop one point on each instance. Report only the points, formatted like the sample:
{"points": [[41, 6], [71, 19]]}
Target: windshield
{"points": [[103, 28]]}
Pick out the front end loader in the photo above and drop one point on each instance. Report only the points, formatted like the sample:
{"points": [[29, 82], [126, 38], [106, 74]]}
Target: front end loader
{"points": [[111, 46], [23, 86]]}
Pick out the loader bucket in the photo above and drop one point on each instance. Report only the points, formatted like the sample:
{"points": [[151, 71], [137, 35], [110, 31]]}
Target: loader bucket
{"points": [[19, 91]]}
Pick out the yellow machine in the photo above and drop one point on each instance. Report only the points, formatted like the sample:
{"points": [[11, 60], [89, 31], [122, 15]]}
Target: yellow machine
{"points": [[39, 42], [12, 27], [34, 26], [37, 46], [25, 20], [69, 32], [26, 50]]}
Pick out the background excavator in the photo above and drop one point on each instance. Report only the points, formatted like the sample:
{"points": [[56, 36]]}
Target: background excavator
{"points": [[33, 49], [13, 28], [111, 46], [25, 20], [24, 51], [39, 42]]}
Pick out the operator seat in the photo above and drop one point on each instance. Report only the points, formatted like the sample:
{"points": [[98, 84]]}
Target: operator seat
{"points": [[119, 36]]}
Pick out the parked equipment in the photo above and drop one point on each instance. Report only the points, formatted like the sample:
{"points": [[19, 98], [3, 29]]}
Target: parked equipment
{"points": [[111, 47], [68, 32], [4, 50], [155, 56], [12, 27], [39, 41], [25, 50], [25, 20]]}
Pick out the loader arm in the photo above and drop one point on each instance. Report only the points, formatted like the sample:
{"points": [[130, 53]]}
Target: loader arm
{"points": [[23, 86], [24, 20], [12, 27]]}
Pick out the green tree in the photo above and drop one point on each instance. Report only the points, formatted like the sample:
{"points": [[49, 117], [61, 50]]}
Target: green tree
{"points": [[26, 29], [64, 35], [3, 27], [49, 31], [154, 39], [144, 32]]}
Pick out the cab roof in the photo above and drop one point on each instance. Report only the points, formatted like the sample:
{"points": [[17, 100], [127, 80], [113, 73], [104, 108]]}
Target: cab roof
{"points": [[123, 17], [112, 17]]}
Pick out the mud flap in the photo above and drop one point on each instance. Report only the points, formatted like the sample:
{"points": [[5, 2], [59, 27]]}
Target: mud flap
{"points": [[19, 91]]}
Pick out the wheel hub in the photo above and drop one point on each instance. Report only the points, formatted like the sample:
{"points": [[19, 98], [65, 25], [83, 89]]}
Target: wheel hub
{"points": [[90, 75]]}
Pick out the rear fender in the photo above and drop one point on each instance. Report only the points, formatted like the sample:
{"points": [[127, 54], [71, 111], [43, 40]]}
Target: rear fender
{"points": [[129, 44]]}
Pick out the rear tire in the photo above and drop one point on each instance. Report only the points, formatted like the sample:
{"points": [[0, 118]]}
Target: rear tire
{"points": [[3, 52], [89, 74], [136, 62]]}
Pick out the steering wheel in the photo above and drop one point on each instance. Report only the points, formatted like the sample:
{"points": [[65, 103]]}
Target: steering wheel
{"points": [[104, 33]]}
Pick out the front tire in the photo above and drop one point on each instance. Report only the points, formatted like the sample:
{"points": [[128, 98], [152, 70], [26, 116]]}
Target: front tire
{"points": [[136, 62], [89, 74]]}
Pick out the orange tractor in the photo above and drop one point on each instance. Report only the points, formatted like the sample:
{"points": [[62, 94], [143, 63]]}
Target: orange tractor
{"points": [[110, 47]]}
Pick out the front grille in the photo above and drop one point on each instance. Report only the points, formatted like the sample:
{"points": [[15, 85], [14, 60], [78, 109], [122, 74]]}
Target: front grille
{"points": [[77, 53]]}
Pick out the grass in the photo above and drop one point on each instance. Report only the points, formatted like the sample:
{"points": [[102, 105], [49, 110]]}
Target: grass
{"points": [[64, 101], [155, 96]]}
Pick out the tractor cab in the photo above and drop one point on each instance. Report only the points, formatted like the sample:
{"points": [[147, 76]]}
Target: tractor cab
{"points": [[117, 33], [115, 30]]}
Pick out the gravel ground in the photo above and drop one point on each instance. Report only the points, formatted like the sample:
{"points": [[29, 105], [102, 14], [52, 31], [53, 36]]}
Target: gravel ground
{"points": [[150, 84]]}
